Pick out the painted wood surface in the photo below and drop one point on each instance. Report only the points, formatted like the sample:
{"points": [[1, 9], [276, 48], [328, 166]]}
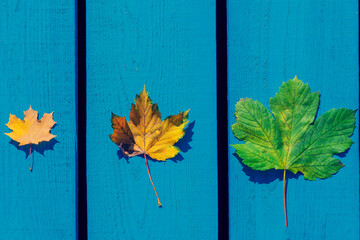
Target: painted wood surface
{"points": [[37, 55], [270, 42], [170, 47]]}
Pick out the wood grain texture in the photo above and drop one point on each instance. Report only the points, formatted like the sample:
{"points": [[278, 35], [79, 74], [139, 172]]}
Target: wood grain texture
{"points": [[170, 47], [37, 55], [270, 42]]}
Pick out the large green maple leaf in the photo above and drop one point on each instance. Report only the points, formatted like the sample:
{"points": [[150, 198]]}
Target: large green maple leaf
{"points": [[292, 140]]}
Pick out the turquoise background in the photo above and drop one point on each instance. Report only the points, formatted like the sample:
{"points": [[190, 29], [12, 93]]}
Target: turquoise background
{"points": [[37, 56], [270, 42], [171, 47]]}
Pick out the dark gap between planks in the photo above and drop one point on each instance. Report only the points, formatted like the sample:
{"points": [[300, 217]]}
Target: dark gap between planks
{"points": [[222, 119], [82, 232], [359, 68]]}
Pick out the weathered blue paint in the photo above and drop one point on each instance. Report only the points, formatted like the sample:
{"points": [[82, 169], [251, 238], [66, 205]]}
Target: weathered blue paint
{"points": [[271, 42], [37, 55], [170, 47]]}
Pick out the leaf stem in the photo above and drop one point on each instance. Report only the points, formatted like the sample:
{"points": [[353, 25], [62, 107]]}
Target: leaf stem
{"points": [[147, 166], [286, 224], [29, 158]]}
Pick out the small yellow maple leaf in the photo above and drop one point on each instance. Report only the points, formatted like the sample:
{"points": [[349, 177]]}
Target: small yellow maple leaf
{"points": [[146, 134], [31, 130]]}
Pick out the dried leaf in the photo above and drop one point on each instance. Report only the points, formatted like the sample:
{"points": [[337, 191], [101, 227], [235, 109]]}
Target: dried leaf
{"points": [[146, 134], [31, 130]]}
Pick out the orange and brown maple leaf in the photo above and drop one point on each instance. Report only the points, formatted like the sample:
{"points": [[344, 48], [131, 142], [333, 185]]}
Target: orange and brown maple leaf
{"points": [[145, 133]]}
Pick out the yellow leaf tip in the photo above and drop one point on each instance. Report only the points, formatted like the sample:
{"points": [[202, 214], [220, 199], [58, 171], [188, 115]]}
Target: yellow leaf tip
{"points": [[144, 90], [30, 109]]}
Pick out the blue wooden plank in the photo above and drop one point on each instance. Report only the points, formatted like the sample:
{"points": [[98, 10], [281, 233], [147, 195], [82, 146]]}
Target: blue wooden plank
{"points": [[170, 47], [270, 42], [37, 55]]}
